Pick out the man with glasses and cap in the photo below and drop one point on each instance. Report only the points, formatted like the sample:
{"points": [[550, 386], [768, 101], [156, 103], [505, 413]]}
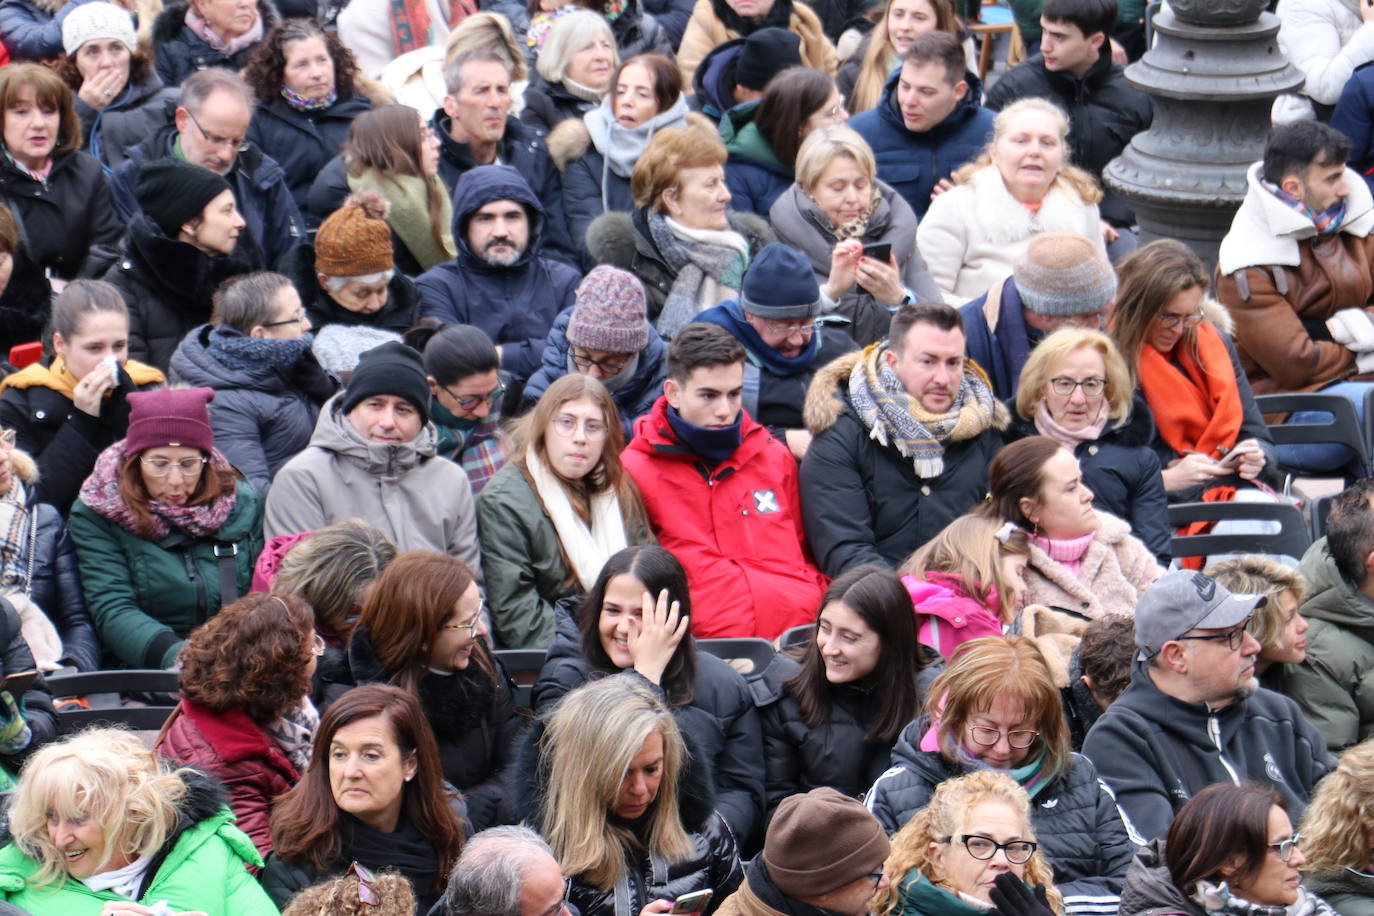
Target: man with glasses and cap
{"points": [[1194, 713]]}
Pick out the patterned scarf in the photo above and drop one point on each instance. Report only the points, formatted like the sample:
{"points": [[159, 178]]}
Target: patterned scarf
{"points": [[540, 23], [237, 350], [1327, 222], [696, 256], [14, 524], [102, 495], [1032, 776], [854, 228], [896, 418], [295, 731], [305, 103], [40, 176]]}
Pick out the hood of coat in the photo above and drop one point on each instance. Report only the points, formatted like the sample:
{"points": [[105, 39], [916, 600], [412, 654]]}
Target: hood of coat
{"points": [[1149, 887], [193, 364], [929, 766], [1332, 597], [334, 432], [169, 23], [1187, 723], [714, 82], [568, 140], [479, 187], [799, 222], [743, 140], [965, 108]]}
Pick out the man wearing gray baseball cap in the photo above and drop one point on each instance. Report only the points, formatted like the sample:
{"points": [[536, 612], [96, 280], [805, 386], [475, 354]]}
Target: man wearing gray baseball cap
{"points": [[1194, 714]]}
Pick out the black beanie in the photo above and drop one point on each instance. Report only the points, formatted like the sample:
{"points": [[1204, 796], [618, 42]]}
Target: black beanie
{"points": [[171, 193], [394, 369], [765, 54]]}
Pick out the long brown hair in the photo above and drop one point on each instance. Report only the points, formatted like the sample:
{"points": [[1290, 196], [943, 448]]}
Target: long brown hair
{"points": [[305, 821], [217, 479], [387, 140], [878, 58], [1148, 279]]}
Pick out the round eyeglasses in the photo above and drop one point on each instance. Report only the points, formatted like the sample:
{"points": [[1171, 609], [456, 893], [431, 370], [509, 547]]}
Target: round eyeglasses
{"points": [[161, 467], [1018, 852], [1019, 738]]}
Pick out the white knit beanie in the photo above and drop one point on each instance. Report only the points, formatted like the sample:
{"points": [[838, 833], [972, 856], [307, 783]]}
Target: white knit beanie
{"points": [[98, 20]]}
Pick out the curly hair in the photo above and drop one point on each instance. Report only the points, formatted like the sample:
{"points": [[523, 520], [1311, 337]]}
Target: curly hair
{"points": [[254, 655], [268, 62], [1338, 827], [140, 68], [341, 897]]}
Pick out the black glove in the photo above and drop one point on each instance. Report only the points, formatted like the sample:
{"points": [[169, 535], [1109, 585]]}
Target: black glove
{"points": [[1011, 897]]}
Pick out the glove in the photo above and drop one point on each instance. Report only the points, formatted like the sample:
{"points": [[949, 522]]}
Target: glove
{"points": [[1352, 328], [14, 732], [1011, 897]]}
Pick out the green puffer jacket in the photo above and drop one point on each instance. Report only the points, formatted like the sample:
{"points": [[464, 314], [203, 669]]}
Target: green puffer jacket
{"points": [[1335, 684], [203, 867], [145, 596]]}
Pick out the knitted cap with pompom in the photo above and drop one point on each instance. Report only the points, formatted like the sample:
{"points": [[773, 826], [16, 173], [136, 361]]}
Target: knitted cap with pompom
{"points": [[355, 240]]}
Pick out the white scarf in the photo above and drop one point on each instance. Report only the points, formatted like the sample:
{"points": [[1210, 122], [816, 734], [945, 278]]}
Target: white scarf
{"points": [[123, 881], [588, 549]]}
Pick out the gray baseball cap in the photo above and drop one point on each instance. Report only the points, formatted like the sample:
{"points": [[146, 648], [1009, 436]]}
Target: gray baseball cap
{"points": [[1181, 601]]}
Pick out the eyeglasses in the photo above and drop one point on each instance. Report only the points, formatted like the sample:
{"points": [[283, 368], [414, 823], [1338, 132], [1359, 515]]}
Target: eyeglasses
{"points": [[562, 904], [987, 737], [567, 426], [877, 877], [1064, 386], [317, 646], [1284, 848], [7, 438], [240, 144], [1018, 852], [610, 367], [367, 894], [1234, 637], [787, 328], [472, 621], [1171, 321], [161, 467], [472, 401], [296, 319]]}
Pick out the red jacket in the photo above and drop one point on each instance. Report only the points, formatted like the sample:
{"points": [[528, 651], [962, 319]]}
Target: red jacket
{"points": [[737, 530], [239, 754]]}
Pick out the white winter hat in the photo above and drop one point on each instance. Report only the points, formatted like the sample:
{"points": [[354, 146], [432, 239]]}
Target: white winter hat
{"points": [[98, 20]]}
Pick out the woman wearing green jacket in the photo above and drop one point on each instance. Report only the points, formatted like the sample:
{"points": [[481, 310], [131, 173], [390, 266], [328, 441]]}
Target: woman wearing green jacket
{"points": [[166, 530], [98, 819]]}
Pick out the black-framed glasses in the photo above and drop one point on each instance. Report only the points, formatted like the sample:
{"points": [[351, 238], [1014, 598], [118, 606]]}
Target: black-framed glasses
{"points": [[1018, 852], [1234, 637], [240, 144], [295, 319], [367, 893], [877, 877], [1064, 386], [1284, 848], [161, 467], [473, 401], [1172, 321], [561, 905], [610, 367], [472, 621], [1019, 738]]}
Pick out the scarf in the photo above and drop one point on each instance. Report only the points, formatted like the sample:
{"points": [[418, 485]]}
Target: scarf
{"points": [[102, 495], [703, 260], [295, 731], [409, 216], [305, 103], [227, 47], [39, 175], [14, 544], [412, 27], [711, 445], [1046, 425], [895, 418], [1327, 222], [730, 315], [587, 548], [1032, 776], [405, 849], [237, 350], [124, 882], [457, 703], [580, 91], [1068, 552], [542, 22], [854, 228], [620, 146]]}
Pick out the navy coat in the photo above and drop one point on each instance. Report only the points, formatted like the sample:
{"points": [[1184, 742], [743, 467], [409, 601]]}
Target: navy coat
{"points": [[302, 142], [179, 52]]}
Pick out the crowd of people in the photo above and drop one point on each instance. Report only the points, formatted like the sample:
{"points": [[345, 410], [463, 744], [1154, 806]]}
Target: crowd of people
{"points": [[380, 340]]}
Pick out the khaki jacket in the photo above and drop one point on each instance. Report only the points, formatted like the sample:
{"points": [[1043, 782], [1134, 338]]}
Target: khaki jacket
{"points": [[705, 31]]}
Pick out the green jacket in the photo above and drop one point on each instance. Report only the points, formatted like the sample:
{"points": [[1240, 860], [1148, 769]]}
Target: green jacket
{"points": [[523, 562], [1334, 685], [145, 597], [205, 869], [1350, 892]]}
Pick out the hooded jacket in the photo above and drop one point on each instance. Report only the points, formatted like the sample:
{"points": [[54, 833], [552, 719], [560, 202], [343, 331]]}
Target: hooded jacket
{"points": [[862, 501], [720, 720], [753, 172], [1281, 281], [179, 52], [301, 142], [1075, 818], [400, 314], [419, 500], [1333, 684], [714, 861], [262, 416], [713, 85], [913, 162], [736, 528], [201, 866], [515, 305], [68, 222], [1155, 751], [705, 30], [1151, 891], [142, 111]]}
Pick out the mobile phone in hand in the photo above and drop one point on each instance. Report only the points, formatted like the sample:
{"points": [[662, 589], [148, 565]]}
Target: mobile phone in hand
{"points": [[694, 902]]}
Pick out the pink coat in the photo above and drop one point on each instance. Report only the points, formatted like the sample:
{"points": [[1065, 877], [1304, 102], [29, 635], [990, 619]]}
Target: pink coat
{"points": [[945, 614]]}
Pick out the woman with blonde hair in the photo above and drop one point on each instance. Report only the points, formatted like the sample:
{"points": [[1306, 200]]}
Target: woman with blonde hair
{"points": [[623, 802], [996, 708], [863, 75], [97, 817], [1338, 834], [1277, 624], [1076, 389], [1022, 184], [975, 831], [572, 72]]}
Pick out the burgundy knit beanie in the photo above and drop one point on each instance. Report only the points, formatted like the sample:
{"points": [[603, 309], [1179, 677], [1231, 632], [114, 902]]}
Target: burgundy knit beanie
{"points": [[170, 416], [609, 312]]}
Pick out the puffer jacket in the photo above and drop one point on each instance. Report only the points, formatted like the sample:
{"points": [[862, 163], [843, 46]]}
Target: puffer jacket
{"points": [[201, 866], [1352, 117], [419, 500], [235, 750], [914, 162], [262, 416], [549, 104], [129, 120], [514, 304], [25, 302], [800, 223], [69, 222], [633, 397], [523, 560], [303, 142], [401, 312], [1111, 577], [753, 172], [1334, 684], [146, 596], [720, 719], [32, 29], [36, 702], [179, 52], [714, 860], [705, 30], [1326, 40], [1076, 820]]}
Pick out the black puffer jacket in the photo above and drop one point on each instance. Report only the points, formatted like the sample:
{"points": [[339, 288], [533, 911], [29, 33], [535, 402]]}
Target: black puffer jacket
{"points": [[721, 720], [714, 861], [475, 723], [25, 303], [1076, 820], [126, 122], [400, 313], [303, 142], [549, 104], [69, 222], [180, 52]]}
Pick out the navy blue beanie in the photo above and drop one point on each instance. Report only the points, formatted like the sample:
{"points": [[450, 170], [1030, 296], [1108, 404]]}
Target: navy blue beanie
{"points": [[780, 285]]}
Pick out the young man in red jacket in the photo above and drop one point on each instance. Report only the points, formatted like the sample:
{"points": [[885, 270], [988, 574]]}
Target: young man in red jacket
{"points": [[721, 494]]}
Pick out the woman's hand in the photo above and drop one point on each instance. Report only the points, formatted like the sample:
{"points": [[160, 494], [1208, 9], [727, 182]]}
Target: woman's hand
{"points": [[844, 264], [1251, 460], [1190, 470], [656, 907], [1109, 233], [89, 392], [882, 280], [98, 89], [654, 639]]}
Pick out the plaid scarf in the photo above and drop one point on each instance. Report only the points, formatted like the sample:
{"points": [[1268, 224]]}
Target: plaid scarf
{"points": [[14, 540], [1327, 222], [896, 418]]}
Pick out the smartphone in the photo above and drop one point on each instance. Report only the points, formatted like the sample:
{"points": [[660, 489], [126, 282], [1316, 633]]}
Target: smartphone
{"points": [[1233, 458], [694, 902], [18, 682], [879, 251]]}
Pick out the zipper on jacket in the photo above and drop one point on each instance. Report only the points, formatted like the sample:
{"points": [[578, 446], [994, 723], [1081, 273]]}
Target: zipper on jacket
{"points": [[198, 582], [1214, 732]]}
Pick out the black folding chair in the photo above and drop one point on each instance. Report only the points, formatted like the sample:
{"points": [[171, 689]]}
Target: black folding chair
{"points": [[797, 636], [1291, 539], [1344, 428], [156, 684], [757, 653], [523, 665]]}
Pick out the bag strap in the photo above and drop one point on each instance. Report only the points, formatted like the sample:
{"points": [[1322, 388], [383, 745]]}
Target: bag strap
{"points": [[227, 556]]}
